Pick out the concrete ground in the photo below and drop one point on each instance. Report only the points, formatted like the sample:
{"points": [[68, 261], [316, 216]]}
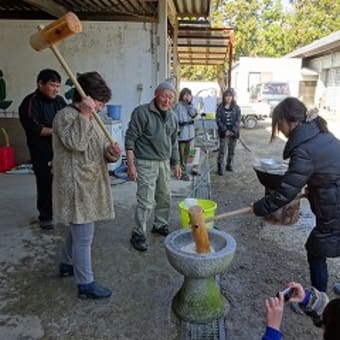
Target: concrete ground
{"points": [[37, 304]]}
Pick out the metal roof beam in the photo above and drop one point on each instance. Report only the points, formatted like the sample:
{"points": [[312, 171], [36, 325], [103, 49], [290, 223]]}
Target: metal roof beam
{"points": [[190, 36], [26, 15], [203, 45], [91, 16], [195, 60], [204, 29], [201, 52], [48, 6], [202, 62]]}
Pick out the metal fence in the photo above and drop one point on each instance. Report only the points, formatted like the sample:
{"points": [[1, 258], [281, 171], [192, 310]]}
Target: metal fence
{"points": [[201, 173]]}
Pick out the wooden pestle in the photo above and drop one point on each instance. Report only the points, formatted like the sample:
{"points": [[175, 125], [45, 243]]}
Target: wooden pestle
{"points": [[199, 230]]}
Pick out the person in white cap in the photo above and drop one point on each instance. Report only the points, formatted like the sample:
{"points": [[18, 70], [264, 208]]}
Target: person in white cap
{"points": [[152, 148]]}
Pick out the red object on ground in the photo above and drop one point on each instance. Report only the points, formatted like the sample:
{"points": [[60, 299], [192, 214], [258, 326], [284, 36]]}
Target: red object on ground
{"points": [[7, 158]]}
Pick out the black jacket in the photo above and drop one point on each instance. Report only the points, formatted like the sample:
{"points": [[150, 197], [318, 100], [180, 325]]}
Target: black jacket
{"points": [[315, 161], [222, 122], [37, 111]]}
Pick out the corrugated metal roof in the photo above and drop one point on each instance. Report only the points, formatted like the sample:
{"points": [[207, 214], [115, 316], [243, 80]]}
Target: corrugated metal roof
{"points": [[198, 43], [192, 8], [326, 45], [96, 9], [105, 10], [110, 10]]}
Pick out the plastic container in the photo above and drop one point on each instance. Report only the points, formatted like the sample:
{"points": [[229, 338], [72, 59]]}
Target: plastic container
{"points": [[114, 111], [210, 115], [209, 208], [7, 155], [7, 158]]}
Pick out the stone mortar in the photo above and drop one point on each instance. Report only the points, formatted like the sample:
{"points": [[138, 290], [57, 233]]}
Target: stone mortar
{"points": [[199, 299]]}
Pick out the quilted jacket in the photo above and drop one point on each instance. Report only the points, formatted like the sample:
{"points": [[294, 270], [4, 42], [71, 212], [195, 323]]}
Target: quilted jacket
{"points": [[315, 162]]}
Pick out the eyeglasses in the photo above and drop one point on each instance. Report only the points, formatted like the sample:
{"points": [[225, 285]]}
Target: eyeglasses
{"points": [[167, 96]]}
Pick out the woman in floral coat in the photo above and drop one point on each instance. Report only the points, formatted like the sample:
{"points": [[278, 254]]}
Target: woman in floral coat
{"points": [[81, 186]]}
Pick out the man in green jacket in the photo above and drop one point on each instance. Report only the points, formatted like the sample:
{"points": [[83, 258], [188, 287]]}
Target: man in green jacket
{"points": [[152, 148]]}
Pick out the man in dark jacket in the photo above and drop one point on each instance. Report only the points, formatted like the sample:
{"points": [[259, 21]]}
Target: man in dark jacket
{"points": [[315, 162], [36, 113]]}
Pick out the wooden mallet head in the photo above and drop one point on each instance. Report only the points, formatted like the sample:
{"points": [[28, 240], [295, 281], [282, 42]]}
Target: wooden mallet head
{"points": [[58, 30]]}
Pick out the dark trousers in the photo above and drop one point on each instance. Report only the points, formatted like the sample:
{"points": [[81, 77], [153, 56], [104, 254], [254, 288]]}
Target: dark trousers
{"points": [[318, 271], [227, 148], [43, 177], [184, 151]]}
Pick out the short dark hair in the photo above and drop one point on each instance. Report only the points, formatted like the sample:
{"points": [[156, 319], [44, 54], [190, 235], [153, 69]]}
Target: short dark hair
{"points": [[94, 86], [48, 75], [229, 92], [183, 92]]}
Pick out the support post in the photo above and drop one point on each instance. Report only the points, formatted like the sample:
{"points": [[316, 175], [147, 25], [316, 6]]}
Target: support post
{"points": [[230, 60], [162, 38]]}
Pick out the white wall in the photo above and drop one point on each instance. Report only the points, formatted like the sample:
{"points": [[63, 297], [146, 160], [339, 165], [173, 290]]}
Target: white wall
{"points": [[327, 90], [282, 69], [123, 53]]}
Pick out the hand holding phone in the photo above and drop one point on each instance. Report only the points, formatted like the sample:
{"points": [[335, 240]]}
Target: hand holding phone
{"points": [[287, 293]]}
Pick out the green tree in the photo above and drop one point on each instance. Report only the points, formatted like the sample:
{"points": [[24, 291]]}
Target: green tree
{"points": [[273, 41], [263, 28], [259, 26], [311, 20], [203, 73]]}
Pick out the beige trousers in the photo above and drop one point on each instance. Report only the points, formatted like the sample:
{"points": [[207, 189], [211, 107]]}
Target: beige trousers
{"points": [[153, 192]]}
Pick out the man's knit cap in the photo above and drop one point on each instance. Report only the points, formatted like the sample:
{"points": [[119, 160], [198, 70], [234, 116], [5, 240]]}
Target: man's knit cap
{"points": [[166, 85]]}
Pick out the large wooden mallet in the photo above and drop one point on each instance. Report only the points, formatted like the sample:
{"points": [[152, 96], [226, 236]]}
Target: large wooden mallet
{"points": [[48, 36]]}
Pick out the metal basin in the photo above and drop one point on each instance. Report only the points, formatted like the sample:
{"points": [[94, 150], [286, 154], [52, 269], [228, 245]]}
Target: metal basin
{"points": [[270, 172]]}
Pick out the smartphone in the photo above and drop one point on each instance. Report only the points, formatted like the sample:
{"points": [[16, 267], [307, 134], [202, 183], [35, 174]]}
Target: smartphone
{"points": [[287, 293]]}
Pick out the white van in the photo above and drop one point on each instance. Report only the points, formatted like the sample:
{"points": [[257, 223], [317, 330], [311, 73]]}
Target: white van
{"points": [[271, 92]]}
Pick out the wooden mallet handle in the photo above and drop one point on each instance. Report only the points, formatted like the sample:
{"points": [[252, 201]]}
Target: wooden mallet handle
{"points": [[80, 91], [229, 214], [239, 211]]}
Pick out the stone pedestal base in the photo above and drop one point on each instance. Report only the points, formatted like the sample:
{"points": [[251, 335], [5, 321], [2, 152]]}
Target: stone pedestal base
{"points": [[199, 300]]}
